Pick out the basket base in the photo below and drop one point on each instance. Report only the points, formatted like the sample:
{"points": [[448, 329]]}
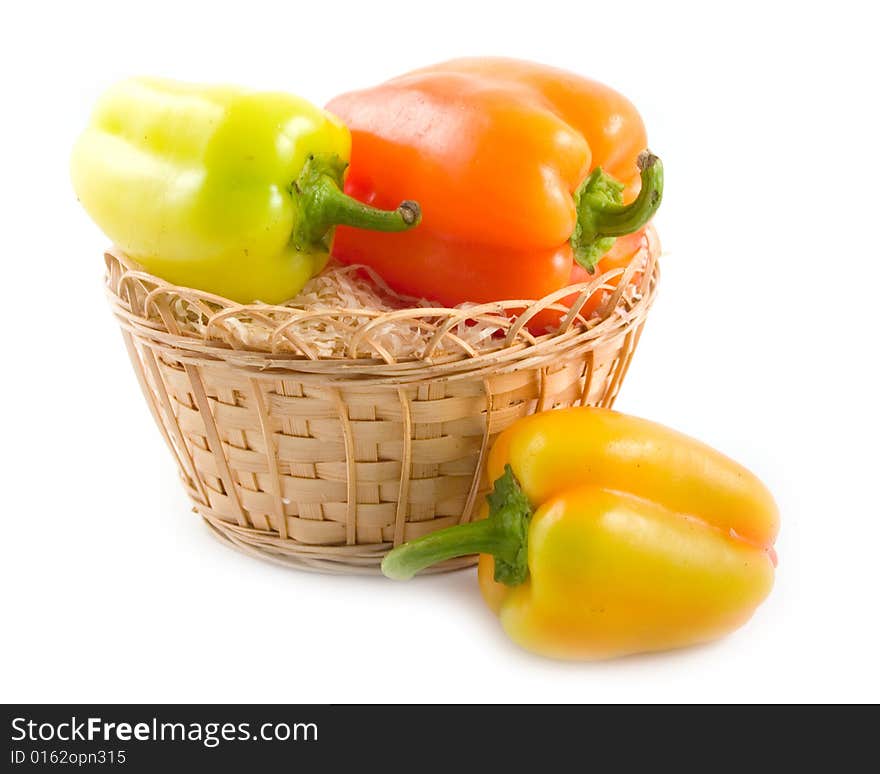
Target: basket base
{"points": [[344, 560]]}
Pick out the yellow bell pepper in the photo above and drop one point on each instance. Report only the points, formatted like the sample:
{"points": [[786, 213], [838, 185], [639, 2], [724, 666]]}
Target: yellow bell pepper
{"points": [[608, 535], [221, 189]]}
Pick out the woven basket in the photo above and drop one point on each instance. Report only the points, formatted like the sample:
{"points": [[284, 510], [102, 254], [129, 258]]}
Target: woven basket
{"points": [[326, 463]]}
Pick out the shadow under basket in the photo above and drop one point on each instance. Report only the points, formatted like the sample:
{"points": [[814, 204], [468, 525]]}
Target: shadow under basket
{"points": [[327, 462]]}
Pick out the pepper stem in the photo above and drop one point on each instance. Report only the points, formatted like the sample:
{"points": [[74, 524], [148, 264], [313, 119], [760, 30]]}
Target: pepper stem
{"points": [[323, 205], [504, 534], [602, 216]]}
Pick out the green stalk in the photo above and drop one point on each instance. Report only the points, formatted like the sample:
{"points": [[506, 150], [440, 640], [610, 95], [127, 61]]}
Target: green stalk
{"points": [[602, 216], [504, 535], [323, 205]]}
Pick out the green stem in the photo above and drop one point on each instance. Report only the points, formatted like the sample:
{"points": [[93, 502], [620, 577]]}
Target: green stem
{"points": [[504, 535], [602, 216], [478, 537], [323, 205], [625, 219]]}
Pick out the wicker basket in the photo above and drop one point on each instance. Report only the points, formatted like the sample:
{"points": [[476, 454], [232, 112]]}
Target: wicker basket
{"points": [[326, 463]]}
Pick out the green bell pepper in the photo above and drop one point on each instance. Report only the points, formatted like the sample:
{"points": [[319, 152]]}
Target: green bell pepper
{"points": [[221, 189]]}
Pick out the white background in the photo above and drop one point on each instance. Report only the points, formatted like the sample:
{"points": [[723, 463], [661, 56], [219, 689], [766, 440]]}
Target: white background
{"points": [[763, 343]]}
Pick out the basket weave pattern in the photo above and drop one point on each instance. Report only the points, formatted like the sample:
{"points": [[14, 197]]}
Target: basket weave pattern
{"points": [[326, 463]]}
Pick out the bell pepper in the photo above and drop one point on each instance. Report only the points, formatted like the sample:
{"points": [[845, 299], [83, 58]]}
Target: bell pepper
{"points": [[522, 171], [221, 189], [608, 535]]}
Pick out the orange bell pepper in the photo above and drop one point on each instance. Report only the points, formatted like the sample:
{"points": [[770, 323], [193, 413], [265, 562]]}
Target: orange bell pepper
{"points": [[520, 169], [607, 535]]}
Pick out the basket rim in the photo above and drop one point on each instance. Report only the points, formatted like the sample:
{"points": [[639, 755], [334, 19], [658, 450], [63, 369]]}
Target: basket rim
{"points": [[140, 302]]}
